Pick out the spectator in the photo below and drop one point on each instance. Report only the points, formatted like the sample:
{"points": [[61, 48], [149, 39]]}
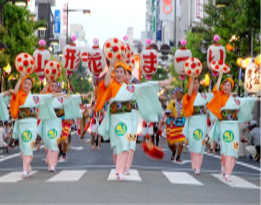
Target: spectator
{"points": [[2, 135], [253, 139]]}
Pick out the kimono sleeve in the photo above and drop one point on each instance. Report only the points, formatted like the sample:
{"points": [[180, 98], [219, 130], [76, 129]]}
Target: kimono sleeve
{"points": [[246, 108], [148, 101], [71, 107], [46, 111], [4, 114]]}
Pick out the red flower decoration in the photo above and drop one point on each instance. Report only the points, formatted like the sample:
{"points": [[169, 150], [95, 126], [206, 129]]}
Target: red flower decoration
{"points": [[122, 48], [19, 59], [58, 66], [115, 48], [53, 71], [193, 65], [47, 71], [26, 63], [220, 62], [189, 72], [51, 64], [186, 64], [25, 55], [197, 71], [199, 64], [119, 56], [28, 70], [192, 59], [108, 45], [59, 74], [110, 55], [216, 67], [32, 62], [21, 68], [128, 55], [213, 62], [115, 40]]}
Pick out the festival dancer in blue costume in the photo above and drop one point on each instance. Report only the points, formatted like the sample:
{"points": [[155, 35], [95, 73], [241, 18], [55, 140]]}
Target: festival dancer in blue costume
{"points": [[229, 111], [118, 122]]}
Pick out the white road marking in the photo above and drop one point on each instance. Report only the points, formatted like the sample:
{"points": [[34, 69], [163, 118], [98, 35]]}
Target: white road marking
{"points": [[15, 155], [134, 175], [236, 182], [237, 162], [14, 177], [181, 178], [67, 176]]}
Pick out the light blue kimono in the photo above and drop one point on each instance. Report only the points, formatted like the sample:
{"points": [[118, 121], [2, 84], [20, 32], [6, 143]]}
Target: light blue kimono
{"points": [[119, 127], [26, 129], [52, 129], [228, 130], [4, 114], [195, 128]]}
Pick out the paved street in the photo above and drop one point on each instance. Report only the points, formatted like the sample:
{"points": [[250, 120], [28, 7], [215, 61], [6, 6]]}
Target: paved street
{"points": [[88, 177]]}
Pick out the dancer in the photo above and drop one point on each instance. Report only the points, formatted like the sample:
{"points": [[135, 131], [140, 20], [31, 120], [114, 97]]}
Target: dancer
{"points": [[175, 124], [195, 128], [22, 107], [230, 111], [4, 99], [96, 120], [117, 124]]}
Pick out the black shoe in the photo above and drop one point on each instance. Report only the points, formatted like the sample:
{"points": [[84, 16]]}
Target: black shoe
{"points": [[257, 158], [172, 158]]}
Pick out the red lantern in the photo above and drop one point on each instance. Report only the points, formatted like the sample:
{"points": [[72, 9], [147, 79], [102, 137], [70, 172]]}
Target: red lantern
{"points": [[71, 58], [181, 55], [216, 52], [96, 59], [41, 57], [149, 61]]}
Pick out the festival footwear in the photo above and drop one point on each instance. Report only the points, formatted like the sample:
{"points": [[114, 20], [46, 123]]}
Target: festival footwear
{"points": [[120, 177], [127, 172], [25, 175], [257, 157], [178, 160], [197, 172], [222, 171], [52, 169], [228, 178], [172, 158]]}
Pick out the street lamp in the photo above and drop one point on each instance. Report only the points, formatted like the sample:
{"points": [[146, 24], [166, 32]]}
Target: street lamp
{"points": [[222, 3], [42, 27], [53, 42], [19, 2], [85, 11]]}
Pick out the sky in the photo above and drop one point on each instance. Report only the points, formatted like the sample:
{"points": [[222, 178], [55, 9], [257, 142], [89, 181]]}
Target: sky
{"points": [[108, 18]]}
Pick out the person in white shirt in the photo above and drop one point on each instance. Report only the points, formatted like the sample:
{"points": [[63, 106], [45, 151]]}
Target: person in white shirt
{"points": [[253, 139], [2, 135]]}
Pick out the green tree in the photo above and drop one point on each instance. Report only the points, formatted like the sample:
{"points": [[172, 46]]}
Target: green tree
{"points": [[20, 36]]}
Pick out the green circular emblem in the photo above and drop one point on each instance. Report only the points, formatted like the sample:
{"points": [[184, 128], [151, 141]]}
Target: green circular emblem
{"points": [[228, 136], [27, 136], [120, 129], [198, 134], [52, 134]]}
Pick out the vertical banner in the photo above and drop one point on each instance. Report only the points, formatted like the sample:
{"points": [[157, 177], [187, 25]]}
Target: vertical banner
{"points": [[57, 21], [167, 9], [198, 10], [158, 23]]}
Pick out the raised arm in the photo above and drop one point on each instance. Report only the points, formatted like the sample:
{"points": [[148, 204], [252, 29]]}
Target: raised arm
{"points": [[18, 84], [108, 74], [45, 89], [190, 90], [219, 79]]}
